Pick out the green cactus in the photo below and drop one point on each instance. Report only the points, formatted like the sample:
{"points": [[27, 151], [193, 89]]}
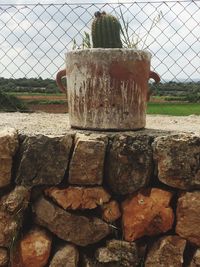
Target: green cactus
{"points": [[106, 31]]}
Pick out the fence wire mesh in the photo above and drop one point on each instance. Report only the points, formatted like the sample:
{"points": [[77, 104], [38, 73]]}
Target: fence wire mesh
{"points": [[34, 37]]}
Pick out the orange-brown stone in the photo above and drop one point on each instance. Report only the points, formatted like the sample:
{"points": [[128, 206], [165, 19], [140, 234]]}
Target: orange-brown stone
{"points": [[111, 211], [35, 248], [147, 213], [78, 197]]}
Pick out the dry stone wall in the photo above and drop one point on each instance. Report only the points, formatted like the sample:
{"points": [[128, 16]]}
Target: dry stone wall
{"points": [[100, 199]]}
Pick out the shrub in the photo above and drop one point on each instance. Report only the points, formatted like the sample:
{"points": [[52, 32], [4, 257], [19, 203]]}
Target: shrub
{"points": [[11, 103]]}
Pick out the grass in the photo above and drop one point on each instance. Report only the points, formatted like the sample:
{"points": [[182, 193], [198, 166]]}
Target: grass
{"points": [[8, 102], [45, 102], [34, 94], [174, 109]]}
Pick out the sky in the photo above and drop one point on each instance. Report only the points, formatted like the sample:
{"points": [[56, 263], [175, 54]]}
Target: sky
{"points": [[34, 39], [65, 1]]}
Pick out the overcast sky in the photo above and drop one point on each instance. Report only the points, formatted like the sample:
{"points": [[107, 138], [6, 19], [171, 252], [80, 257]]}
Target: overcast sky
{"points": [[34, 39], [66, 1]]}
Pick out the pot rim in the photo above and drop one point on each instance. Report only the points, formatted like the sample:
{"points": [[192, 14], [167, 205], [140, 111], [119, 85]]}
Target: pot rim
{"points": [[109, 50]]}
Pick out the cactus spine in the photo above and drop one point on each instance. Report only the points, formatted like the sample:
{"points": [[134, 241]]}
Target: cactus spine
{"points": [[106, 31]]}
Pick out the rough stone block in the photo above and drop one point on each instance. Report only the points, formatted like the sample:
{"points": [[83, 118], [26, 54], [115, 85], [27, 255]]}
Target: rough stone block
{"points": [[8, 142], [8, 229], [8, 148], [43, 160], [119, 252], [76, 229], [67, 256], [111, 211], [4, 258], [12, 207], [87, 163], [178, 160], [147, 213], [15, 201], [130, 163], [195, 259], [167, 251], [188, 217], [78, 197], [91, 262]]}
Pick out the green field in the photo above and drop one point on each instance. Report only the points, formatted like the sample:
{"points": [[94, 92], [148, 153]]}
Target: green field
{"points": [[174, 109], [9, 102], [34, 94], [46, 102]]}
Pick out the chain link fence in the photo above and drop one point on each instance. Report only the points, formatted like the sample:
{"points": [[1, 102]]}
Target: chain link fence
{"points": [[34, 37]]}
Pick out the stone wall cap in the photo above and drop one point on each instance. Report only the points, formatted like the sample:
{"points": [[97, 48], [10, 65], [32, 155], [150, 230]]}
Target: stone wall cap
{"points": [[8, 131]]}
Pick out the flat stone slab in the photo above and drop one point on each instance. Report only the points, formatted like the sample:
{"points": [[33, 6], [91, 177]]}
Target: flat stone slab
{"points": [[55, 124], [79, 230]]}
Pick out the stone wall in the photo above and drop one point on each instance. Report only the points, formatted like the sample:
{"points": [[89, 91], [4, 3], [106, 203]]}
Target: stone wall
{"points": [[100, 199]]}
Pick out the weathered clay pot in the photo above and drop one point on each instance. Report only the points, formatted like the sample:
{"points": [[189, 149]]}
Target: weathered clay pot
{"points": [[107, 89]]}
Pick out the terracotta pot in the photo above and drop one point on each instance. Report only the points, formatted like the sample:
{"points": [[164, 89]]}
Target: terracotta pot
{"points": [[107, 89]]}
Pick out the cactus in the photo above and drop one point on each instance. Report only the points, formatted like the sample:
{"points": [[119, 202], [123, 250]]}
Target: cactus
{"points": [[106, 31]]}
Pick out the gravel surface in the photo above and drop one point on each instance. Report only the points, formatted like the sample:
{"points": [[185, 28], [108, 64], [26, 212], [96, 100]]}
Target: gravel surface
{"points": [[57, 124]]}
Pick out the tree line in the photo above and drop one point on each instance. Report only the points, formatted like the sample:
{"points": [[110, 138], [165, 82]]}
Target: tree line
{"points": [[178, 91], [37, 85], [189, 91]]}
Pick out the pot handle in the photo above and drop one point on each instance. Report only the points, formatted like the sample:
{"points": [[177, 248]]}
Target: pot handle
{"points": [[156, 78], [59, 76]]}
